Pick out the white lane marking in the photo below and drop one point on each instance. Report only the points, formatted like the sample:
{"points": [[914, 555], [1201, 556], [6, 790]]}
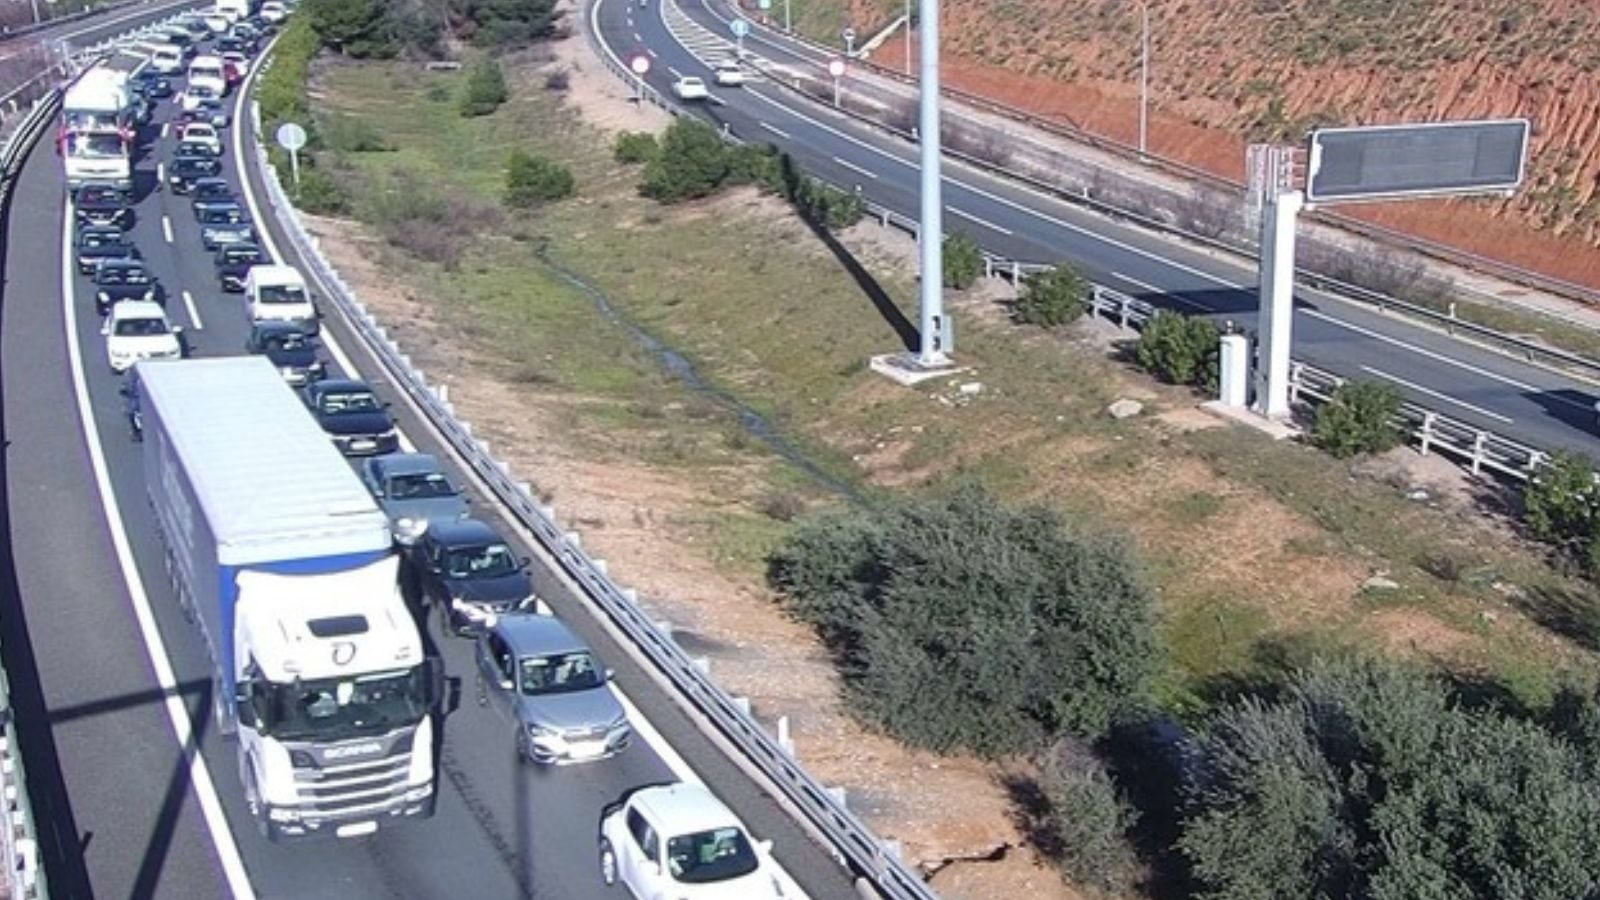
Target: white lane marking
{"points": [[194, 314], [954, 210], [637, 37], [1152, 289], [778, 131], [166, 228], [161, 174], [859, 170], [652, 52], [675, 72], [205, 789], [165, 128], [1420, 351], [1435, 394]]}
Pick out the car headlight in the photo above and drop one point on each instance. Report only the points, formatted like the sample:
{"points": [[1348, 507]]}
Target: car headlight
{"points": [[102, 296], [150, 293], [541, 732], [410, 529]]}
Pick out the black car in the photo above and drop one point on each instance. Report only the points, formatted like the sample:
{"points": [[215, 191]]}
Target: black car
{"points": [[212, 111], [102, 204], [98, 242], [123, 279], [143, 109], [197, 148], [468, 571], [228, 43], [290, 350], [223, 223], [186, 170], [233, 262], [150, 83], [246, 35], [208, 192], [353, 416]]}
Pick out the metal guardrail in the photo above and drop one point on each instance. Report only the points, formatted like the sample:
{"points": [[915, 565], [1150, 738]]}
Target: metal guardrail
{"points": [[24, 876], [852, 841], [1464, 259]]}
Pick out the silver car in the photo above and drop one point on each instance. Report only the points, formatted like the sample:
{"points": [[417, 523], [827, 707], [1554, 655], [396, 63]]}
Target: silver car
{"points": [[413, 491], [534, 671]]}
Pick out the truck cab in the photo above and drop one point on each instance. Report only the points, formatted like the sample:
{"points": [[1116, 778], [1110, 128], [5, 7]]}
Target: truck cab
{"points": [[276, 293], [206, 71]]}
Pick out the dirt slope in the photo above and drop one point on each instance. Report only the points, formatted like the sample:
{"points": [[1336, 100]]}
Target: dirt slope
{"points": [[1225, 72]]}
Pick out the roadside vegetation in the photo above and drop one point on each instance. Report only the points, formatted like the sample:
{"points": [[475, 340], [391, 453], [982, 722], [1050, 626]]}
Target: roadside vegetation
{"points": [[1209, 665]]}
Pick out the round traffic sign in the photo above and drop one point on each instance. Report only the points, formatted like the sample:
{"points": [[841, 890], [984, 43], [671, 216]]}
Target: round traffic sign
{"points": [[848, 34], [764, 4], [740, 27], [639, 64], [836, 67], [291, 137]]}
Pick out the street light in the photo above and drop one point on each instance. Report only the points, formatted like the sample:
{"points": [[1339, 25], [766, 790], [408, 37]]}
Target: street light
{"points": [[1144, 75]]}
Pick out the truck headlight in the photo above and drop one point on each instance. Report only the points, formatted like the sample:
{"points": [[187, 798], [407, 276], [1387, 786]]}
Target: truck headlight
{"points": [[420, 792], [283, 814]]}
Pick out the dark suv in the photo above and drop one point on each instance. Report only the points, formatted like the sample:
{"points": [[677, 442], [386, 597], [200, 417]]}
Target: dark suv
{"points": [[353, 416], [470, 572]]}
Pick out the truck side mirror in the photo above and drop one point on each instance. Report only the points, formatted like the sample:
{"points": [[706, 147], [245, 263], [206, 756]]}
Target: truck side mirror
{"points": [[435, 675], [245, 710]]}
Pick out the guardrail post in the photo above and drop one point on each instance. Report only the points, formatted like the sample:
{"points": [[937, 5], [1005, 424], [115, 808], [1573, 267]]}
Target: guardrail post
{"points": [[743, 703], [784, 740], [1478, 444], [1016, 272], [1124, 313], [838, 794], [1426, 432], [703, 663]]}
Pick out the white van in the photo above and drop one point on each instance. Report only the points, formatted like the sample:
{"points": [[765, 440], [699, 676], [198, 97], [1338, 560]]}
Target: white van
{"points": [[274, 12], [234, 9], [167, 59], [206, 71], [278, 294]]}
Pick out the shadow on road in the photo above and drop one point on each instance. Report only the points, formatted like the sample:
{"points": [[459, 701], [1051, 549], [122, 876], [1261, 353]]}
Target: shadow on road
{"points": [[1572, 408]]}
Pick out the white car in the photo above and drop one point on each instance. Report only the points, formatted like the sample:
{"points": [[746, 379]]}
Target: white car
{"points": [[730, 74], [678, 841], [167, 59], [203, 133], [690, 88], [137, 330], [192, 95], [217, 22], [274, 11]]}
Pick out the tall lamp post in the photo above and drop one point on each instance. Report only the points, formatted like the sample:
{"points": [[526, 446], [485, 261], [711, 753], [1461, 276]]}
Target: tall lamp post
{"points": [[1144, 75], [908, 38]]}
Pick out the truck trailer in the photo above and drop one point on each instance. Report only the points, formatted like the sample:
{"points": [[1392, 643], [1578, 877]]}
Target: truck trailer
{"points": [[283, 559], [97, 129]]}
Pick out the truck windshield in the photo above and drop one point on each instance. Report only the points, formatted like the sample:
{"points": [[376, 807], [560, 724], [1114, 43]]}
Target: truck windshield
{"points": [[196, 72], [92, 120], [335, 708], [281, 293], [95, 146]]}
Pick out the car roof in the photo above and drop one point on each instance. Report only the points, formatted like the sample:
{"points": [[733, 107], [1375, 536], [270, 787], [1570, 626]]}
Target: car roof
{"points": [[684, 808], [530, 634], [407, 463], [462, 532], [138, 309]]}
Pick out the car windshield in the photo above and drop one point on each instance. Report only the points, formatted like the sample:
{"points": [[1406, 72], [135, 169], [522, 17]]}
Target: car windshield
{"points": [[203, 72], [99, 195], [287, 341], [559, 674], [420, 486], [281, 293], [470, 563], [123, 275], [707, 856], [109, 239], [329, 707], [340, 402], [221, 216], [140, 327], [242, 256], [95, 146]]}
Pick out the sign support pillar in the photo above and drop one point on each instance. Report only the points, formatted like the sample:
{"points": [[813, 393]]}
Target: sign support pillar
{"points": [[1275, 325], [936, 345]]}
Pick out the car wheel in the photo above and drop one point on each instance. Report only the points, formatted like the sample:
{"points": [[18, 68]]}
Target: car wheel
{"points": [[608, 863]]}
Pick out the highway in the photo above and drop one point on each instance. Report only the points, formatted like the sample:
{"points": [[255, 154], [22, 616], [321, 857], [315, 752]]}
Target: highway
{"points": [[135, 795], [1526, 402]]}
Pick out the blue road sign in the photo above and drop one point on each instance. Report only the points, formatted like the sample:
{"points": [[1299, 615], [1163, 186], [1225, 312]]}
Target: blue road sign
{"points": [[740, 27]]}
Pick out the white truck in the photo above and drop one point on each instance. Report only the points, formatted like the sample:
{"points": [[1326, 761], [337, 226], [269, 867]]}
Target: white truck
{"points": [[276, 293], [97, 129], [281, 556]]}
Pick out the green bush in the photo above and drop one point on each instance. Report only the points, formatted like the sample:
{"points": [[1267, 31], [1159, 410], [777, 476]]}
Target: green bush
{"points": [[753, 164], [1085, 821], [359, 28], [533, 180], [827, 206], [504, 23], [319, 192], [692, 163], [1358, 418], [485, 89], [1562, 506], [1056, 296], [635, 147], [352, 134], [963, 261], [282, 90], [1180, 350], [960, 624], [1366, 780]]}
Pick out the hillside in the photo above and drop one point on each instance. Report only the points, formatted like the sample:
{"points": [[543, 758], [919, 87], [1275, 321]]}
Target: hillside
{"points": [[1225, 72]]}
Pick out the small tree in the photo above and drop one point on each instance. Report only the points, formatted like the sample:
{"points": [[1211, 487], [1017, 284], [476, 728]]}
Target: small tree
{"points": [[485, 89], [1180, 350], [1087, 820], [1055, 296], [635, 147], [1358, 418], [692, 163], [532, 180], [963, 261], [1561, 504]]}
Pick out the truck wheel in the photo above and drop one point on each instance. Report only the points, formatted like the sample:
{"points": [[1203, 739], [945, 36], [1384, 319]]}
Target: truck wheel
{"points": [[608, 863], [258, 812]]}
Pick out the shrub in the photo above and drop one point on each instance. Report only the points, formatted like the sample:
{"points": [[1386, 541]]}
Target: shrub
{"points": [[692, 163], [432, 226], [1358, 418], [960, 624], [963, 261], [1086, 820], [352, 134], [1180, 350], [753, 164], [635, 147], [282, 93], [825, 205], [558, 80], [359, 28], [1055, 296], [485, 89], [1368, 780], [532, 180], [319, 192], [504, 23], [1561, 504]]}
